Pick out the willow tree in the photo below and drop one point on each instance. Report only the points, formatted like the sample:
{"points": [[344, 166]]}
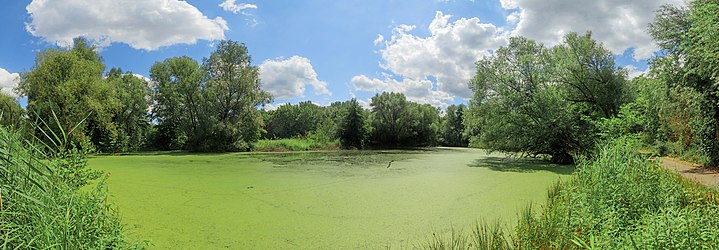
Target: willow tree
{"points": [[178, 101], [212, 107], [132, 118], [452, 127], [233, 94], [397, 122], [533, 100]]}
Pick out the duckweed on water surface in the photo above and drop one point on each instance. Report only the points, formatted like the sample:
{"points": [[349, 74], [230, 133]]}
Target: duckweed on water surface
{"points": [[327, 200]]}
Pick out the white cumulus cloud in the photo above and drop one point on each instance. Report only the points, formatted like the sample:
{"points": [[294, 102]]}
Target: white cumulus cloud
{"points": [[420, 91], [8, 81], [142, 24], [619, 24], [433, 69], [231, 6], [285, 78], [634, 72]]}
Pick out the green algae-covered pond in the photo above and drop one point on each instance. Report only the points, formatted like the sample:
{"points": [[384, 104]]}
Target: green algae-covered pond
{"points": [[318, 200]]}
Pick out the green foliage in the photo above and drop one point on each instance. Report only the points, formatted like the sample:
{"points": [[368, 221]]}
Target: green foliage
{"points": [[131, 120], [352, 129], [666, 118], [588, 76], [281, 145], [69, 82], [452, 128], [621, 199], [616, 200], [537, 101], [209, 108], [290, 121], [397, 122], [11, 113], [689, 38], [232, 94], [42, 204], [484, 236], [178, 99]]}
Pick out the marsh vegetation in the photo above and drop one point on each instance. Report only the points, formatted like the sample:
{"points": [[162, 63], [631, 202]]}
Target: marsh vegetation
{"points": [[189, 158]]}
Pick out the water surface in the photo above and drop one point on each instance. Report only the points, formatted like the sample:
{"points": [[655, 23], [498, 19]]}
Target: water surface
{"points": [[330, 200]]}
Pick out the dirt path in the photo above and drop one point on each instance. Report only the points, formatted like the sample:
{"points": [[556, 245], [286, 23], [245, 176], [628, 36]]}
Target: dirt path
{"points": [[692, 171]]}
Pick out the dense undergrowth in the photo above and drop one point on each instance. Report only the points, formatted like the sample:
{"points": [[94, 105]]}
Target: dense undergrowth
{"points": [[43, 204], [619, 199]]}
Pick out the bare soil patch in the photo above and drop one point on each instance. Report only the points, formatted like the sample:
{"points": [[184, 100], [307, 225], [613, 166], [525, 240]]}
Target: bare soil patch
{"points": [[692, 171]]}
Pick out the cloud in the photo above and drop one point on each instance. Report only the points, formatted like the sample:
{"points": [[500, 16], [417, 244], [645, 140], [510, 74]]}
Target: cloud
{"points": [[619, 24], [231, 6], [634, 72], [436, 68], [420, 91], [287, 78], [272, 107], [8, 81], [142, 24], [379, 40]]}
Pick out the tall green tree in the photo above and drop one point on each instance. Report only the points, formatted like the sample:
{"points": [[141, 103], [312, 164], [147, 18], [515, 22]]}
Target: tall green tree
{"points": [[212, 107], [289, 121], [425, 125], [69, 84], [178, 102], [352, 128], [233, 92], [452, 129], [533, 100], [397, 122], [391, 119], [691, 41], [587, 74], [132, 119]]}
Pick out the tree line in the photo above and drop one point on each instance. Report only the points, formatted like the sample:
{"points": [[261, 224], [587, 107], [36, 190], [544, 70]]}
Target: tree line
{"points": [[391, 122], [529, 99], [208, 106]]}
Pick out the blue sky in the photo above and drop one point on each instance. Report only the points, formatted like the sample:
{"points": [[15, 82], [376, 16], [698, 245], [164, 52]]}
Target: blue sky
{"points": [[323, 51]]}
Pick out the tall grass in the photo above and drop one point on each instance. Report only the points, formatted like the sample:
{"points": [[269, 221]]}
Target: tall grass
{"points": [[294, 144], [42, 204], [617, 200]]}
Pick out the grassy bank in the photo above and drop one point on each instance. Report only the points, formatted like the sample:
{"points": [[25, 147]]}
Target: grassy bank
{"points": [[617, 200], [294, 144]]}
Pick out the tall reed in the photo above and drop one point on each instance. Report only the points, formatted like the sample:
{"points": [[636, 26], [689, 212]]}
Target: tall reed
{"points": [[44, 204]]}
